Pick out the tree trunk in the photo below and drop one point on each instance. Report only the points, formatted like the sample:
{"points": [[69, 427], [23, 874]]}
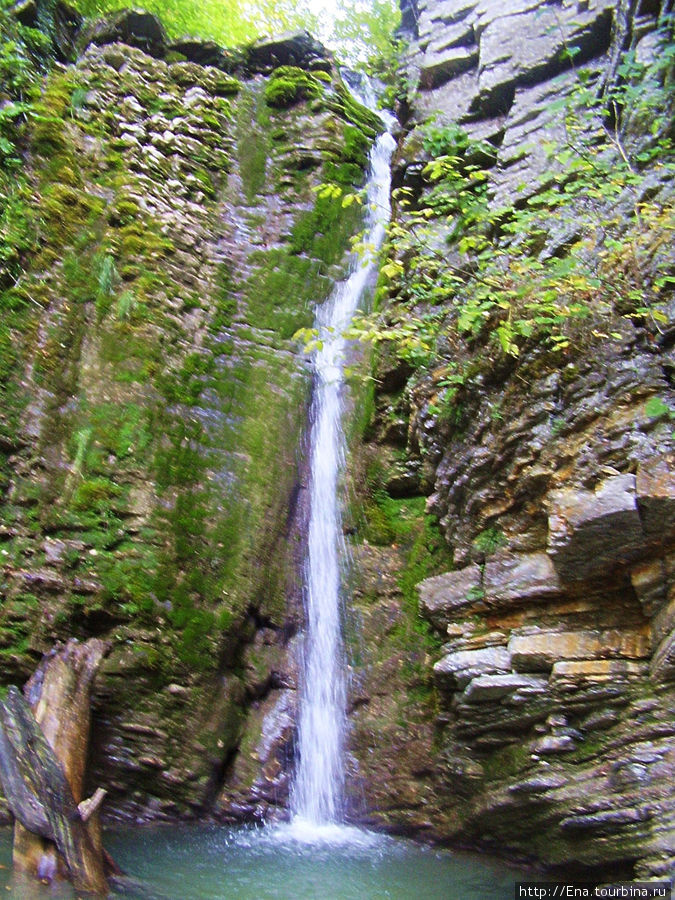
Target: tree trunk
{"points": [[43, 753]]}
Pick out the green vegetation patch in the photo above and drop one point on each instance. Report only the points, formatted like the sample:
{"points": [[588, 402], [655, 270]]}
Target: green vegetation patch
{"points": [[344, 104], [223, 301], [557, 267], [326, 230], [281, 293], [288, 85], [253, 143], [403, 522]]}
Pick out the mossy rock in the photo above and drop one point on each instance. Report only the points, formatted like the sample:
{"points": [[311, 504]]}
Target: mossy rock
{"points": [[188, 74], [356, 145], [67, 209], [139, 241], [124, 212], [49, 129], [324, 232], [281, 291], [289, 85], [224, 85], [223, 300], [344, 104], [94, 494]]}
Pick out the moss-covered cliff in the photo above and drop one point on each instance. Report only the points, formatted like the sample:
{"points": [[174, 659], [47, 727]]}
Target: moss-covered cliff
{"points": [[163, 244]]}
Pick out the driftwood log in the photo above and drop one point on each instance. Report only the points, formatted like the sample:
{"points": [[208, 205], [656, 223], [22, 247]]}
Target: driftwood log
{"points": [[43, 751]]}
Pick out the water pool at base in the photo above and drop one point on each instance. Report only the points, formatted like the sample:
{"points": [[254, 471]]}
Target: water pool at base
{"points": [[287, 863]]}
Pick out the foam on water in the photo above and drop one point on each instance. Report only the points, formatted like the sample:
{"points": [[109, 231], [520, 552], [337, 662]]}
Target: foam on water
{"points": [[332, 835]]}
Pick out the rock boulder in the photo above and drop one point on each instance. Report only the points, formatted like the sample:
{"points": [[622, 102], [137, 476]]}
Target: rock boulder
{"points": [[511, 578], [290, 49], [134, 27], [443, 595], [592, 532], [456, 670]]}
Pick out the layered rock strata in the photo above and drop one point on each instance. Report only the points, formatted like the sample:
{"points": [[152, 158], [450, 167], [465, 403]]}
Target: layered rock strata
{"points": [[543, 725]]}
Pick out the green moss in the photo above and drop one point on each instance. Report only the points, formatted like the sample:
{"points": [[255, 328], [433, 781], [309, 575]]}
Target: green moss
{"points": [[224, 302], [428, 555], [507, 762], [356, 145], [134, 357], [205, 182], [129, 581], [489, 541], [325, 231], [288, 85], [224, 85], [94, 493], [381, 525], [49, 134], [403, 523], [187, 384], [173, 56], [281, 293], [183, 522], [140, 241], [252, 135], [120, 429], [8, 354], [366, 121], [66, 211], [124, 211]]}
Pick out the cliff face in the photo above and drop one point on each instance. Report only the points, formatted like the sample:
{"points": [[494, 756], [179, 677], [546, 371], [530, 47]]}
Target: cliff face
{"points": [[537, 717], [154, 402], [514, 484]]}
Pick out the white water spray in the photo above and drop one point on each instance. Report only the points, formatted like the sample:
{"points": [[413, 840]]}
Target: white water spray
{"points": [[317, 797]]}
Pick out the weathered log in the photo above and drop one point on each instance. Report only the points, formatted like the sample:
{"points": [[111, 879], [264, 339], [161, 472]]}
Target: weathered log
{"points": [[59, 692], [43, 754], [22, 802], [45, 784]]}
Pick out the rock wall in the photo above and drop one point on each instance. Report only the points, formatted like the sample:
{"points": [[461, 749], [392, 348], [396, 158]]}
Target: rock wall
{"points": [[153, 408], [154, 402], [537, 716]]}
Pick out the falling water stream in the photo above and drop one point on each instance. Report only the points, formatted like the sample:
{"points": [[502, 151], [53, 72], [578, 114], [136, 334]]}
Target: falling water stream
{"points": [[315, 856], [317, 797]]}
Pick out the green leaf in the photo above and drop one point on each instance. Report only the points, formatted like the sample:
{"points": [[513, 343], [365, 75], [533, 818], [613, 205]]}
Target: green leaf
{"points": [[655, 408]]}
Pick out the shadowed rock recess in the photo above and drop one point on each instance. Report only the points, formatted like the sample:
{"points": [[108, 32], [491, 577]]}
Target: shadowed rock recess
{"points": [[535, 716]]}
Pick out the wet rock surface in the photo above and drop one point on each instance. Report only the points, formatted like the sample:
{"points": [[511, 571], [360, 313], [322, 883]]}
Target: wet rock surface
{"points": [[550, 730], [152, 482]]}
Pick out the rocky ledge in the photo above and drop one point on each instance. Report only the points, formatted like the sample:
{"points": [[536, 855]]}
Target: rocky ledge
{"points": [[555, 680]]}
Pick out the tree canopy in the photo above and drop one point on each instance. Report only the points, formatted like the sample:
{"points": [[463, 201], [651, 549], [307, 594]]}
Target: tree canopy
{"points": [[356, 30]]}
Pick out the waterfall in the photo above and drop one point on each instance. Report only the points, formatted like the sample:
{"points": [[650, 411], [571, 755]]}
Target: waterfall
{"points": [[317, 796]]}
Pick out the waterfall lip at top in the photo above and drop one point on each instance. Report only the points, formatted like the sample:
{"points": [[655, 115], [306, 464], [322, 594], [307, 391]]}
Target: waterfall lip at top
{"points": [[317, 795]]}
